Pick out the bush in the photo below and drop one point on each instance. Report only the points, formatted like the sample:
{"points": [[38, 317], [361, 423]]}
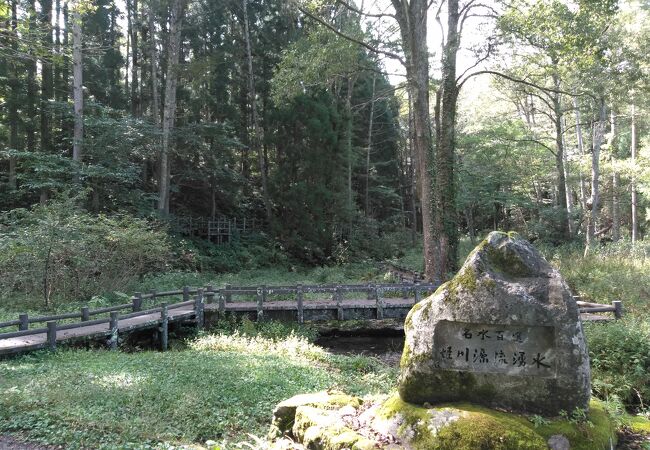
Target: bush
{"points": [[620, 360], [59, 252]]}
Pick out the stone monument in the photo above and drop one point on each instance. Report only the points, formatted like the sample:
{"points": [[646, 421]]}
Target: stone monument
{"points": [[505, 332]]}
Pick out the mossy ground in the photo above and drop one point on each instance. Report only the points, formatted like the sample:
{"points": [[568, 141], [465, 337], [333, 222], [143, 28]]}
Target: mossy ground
{"points": [[484, 428]]}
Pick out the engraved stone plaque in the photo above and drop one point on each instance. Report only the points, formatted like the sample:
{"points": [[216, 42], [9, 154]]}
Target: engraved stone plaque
{"points": [[504, 332], [507, 349]]}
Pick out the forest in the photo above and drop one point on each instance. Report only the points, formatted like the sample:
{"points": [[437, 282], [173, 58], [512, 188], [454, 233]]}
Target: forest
{"points": [[154, 144]]}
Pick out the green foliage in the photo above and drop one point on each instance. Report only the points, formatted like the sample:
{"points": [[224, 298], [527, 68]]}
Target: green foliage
{"points": [[58, 251], [620, 360]]}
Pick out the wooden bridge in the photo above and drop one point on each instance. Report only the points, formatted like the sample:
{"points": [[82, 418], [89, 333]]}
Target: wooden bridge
{"points": [[301, 303], [217, 229]]}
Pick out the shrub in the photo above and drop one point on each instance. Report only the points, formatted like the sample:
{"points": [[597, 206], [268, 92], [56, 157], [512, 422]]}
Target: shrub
{"points": [[59, 252], [620, 360]]}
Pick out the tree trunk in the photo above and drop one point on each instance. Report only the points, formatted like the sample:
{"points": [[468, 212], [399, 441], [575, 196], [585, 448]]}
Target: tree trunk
{"points": [[581, 152], [445, 229], [348, 148], [155, 97], [633, 150], [615, 209], [13, 98], [77, 89], [369, 148], [133, 30], [412, 19], [559, 160], [256, 139], [567, 187], [169, 110], [46, 75], [599, 133], [412, 176], [30, 129]]}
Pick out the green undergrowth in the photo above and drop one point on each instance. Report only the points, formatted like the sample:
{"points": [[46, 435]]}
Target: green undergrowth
{"points": [[352, 273], [220, 388]]}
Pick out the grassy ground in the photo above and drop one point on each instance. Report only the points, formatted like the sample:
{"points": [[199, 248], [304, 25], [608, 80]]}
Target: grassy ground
{"points": [[221, 388]]}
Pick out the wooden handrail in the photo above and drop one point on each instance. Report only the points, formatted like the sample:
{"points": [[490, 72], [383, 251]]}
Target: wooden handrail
{"points": [[224, 296]]}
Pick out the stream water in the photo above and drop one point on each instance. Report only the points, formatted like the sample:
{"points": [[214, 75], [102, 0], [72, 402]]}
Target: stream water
{"points": [[387, 348]]}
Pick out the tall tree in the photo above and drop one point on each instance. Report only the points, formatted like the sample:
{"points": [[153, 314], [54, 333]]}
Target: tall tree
{"points": [[47, 85], [256, 138], [169, 110], [77, 85]]}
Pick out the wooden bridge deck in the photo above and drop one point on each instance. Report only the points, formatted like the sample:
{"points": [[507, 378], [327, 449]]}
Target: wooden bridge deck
{"points": [[91, 332], [375, 306]]}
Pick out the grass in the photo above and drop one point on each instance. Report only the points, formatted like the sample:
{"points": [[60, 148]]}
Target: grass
{"points": [[221, 388]]}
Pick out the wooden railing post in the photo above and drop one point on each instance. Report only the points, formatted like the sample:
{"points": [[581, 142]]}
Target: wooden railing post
{"points": [[228, 295], [198, 308], [85, 314], [299, 299], [416, 289], [209, 294], [137, 302], [379, 303], [618, 309], [405, 290], [51, 335], [186, 293], [369, 291], [153, 295], [339, 304], [112, 341], [164, 327], [261, 297], [222, 303], [24, 322]]}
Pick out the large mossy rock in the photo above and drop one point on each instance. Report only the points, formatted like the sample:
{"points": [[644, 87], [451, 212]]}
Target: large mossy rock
{"points": [[337, 422], [504, 332]]}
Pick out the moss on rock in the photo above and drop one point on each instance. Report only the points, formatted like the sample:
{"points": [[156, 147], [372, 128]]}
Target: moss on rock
{"points": [[453, 426]]}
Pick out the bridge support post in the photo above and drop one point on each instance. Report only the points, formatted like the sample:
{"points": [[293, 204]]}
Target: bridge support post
{"points": [[261, 297], [618, 309], [137, 302], [85, 314], [51, 335], [222, 303], [299, 299], [209, 294], [198, 309], [369, 292], [339, 305], [112, 340], [153, 295], [164, 327], [24, 322], [416, 289], [379, 303], [186, 293], [228, 295], [405, 291]]}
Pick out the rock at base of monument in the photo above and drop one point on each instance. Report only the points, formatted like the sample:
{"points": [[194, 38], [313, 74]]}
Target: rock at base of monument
{"points": [[329, 421], [504, 332]]}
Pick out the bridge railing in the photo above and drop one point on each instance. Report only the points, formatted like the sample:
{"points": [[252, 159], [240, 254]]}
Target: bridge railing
{"points": [[374, 291]]}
